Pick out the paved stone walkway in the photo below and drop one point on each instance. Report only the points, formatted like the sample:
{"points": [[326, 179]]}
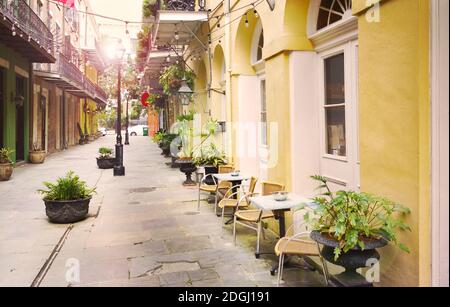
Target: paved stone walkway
{"points": [[143, 230]]}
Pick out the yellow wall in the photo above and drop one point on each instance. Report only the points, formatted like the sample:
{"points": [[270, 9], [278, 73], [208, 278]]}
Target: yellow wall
{"points": [[394, 110], [394, 144]]}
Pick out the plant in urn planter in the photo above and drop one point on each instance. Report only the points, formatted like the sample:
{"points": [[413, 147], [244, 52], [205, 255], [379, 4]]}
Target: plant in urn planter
{"points": [[351, 226], [105, 160], [6, 165], [67, 200]]}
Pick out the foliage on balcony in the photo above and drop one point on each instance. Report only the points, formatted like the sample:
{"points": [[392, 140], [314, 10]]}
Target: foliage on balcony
{"points": [[143, 46], [149, 8], [171, 79]]}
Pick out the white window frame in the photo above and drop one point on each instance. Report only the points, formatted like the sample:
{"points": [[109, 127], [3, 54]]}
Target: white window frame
{"points": [[265, 132], [351, 101]]}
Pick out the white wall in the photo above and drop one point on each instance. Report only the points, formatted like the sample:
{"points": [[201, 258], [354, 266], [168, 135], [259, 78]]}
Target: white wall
{"points": [[304, 121], [247, 127], [440, 143]]}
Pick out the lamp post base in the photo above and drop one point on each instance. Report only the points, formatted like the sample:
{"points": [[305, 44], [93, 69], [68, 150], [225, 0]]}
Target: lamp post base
{"points": [[119, 169]]}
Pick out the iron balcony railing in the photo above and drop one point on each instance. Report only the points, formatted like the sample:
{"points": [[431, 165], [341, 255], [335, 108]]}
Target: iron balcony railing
{"points": [[100, 93], [25, 19], [181, 5], [89, 87]]}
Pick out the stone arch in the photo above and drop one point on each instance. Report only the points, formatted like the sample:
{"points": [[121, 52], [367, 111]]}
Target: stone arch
{"points": [[218, 67], [242, 61]]}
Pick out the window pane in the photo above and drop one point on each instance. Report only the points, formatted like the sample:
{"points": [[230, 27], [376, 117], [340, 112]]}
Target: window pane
{"points": [[259, 54], [335, 124], [334, 80], [263, 113]]}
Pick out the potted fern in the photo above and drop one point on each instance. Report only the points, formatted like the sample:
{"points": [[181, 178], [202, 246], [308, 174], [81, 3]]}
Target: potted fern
{"points": [[67, 200], [6, 165], [37, 155], [105, 160], [352, 226]]}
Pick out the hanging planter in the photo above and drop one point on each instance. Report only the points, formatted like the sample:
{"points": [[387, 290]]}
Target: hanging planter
{"points": [[172, 79]]}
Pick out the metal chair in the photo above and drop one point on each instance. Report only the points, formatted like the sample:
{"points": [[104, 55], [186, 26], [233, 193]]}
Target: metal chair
{"points": [[300, 245], [203, 187], [230, 199], [253, 218]]}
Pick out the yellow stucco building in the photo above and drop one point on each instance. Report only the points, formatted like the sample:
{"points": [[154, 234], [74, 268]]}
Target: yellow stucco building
{"points": [[352, 90]]}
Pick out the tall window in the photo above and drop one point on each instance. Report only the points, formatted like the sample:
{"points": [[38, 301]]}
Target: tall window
{"points": [[259, 51], [263, 113], [335, 105], [332, 11]]}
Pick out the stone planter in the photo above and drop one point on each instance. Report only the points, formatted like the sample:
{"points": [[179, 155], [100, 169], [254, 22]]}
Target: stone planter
{"points": [[37, 157], [67, 211], [106, 163], [6, 171], [187, 167], [352, 260]]}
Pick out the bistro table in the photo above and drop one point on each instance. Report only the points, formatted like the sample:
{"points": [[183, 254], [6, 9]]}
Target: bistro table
{"points": [[279, 208], [235, 180]]}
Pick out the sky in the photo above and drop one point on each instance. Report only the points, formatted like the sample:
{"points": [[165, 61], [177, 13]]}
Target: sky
{"points": [[123, 9]]}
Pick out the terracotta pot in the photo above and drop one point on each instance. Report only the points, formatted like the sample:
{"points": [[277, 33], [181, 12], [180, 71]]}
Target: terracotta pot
{"points": [[67, 211], [37, 157], [6, 171]]}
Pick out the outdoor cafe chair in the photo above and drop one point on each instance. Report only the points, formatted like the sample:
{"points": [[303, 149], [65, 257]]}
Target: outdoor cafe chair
{"points": [[253, 218], [230, 199], [216, 187], [300, 245]]}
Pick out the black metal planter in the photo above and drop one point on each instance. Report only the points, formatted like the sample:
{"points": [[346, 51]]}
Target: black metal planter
{"points": [[351, 261], [187, 167], [67, 211], [210, 170], [105, 163]]}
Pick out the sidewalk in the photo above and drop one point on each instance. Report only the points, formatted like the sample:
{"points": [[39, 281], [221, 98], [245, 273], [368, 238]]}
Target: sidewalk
{"points": [[143, 229]]}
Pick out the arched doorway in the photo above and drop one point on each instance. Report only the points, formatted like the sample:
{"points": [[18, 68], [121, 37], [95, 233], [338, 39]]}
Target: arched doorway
{"points": [[250, 97], [218, 98]]}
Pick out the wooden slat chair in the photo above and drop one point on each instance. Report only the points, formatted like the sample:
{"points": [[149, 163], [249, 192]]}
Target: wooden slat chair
{"points": [[299, 245], [231, 200], [253, 218], [203, 187]]}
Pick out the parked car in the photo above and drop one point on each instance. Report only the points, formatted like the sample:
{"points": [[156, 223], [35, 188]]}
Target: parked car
{"points": [[137, 130], [103, 131]]}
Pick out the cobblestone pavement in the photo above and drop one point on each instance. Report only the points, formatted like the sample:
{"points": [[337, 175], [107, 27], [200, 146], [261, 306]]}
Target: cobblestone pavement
{"points": [[142, 230]]}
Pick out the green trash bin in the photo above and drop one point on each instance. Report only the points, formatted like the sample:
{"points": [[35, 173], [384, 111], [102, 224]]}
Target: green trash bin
{"points": [[145, 131]]}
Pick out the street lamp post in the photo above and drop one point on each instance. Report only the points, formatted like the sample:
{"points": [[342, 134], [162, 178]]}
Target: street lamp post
{"points": [[127, 136], [119, 169]]}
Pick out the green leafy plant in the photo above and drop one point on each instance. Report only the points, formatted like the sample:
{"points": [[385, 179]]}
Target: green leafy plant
{"points": [[5, 155], [158, 136], [353, 218], [152, 98], [171, 79], [210, 156], [184, 128], [105, 152], [69, 187]]}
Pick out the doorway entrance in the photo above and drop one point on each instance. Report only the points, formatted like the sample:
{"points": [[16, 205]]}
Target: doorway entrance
{"points": [[20, 119]]}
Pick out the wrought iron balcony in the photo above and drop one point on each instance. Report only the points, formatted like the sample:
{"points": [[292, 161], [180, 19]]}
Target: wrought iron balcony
{"points": [[26, 28], [100, 94], [182, 5]]}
